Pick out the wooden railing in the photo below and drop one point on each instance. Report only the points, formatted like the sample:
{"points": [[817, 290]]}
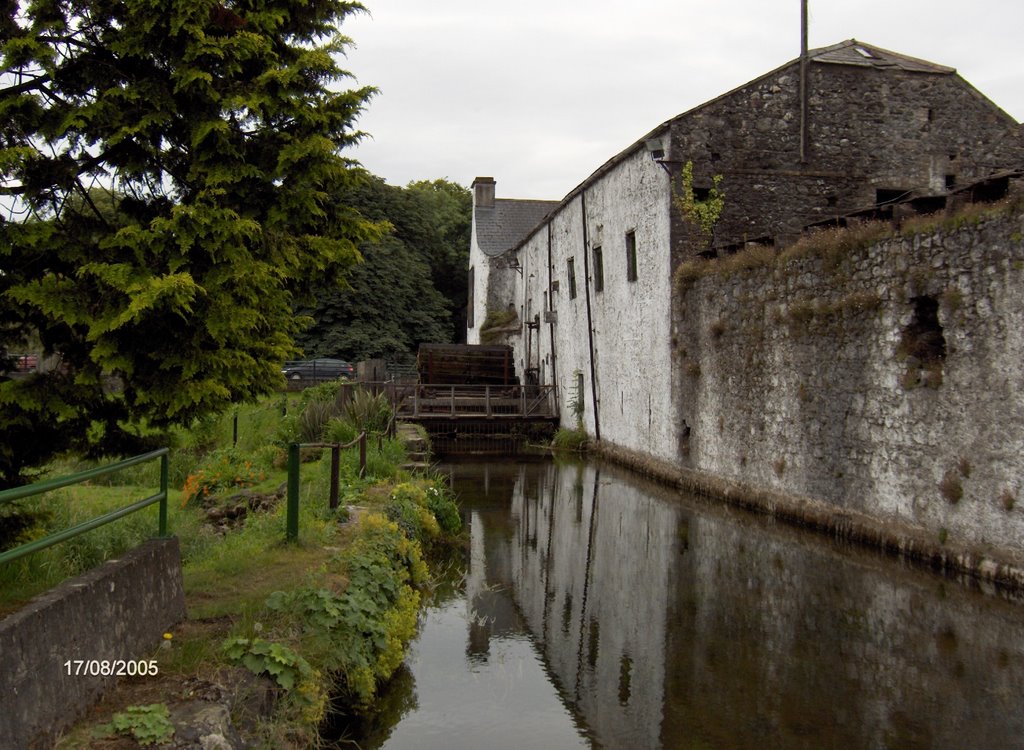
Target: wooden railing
{"points": [[488, 401]]}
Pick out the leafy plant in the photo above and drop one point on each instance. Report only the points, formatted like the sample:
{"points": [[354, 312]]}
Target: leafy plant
{"points": [[148, 725], [703, 213], [361, 632], [285, 666]]}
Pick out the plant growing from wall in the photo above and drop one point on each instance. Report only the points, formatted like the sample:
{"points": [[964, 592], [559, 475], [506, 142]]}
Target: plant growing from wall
{"points": [[576, 403], [496, 325], [702, 213]]}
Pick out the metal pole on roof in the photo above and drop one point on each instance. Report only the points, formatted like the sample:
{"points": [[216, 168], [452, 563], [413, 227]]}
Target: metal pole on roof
{"points": [[804, 92]]}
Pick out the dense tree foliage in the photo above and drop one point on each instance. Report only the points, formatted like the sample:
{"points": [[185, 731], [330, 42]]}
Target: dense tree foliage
{"points": [[411, 287], [214, 129]]}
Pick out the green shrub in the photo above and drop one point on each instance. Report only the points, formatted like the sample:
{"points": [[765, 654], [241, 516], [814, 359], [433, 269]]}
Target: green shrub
{"points": [[340, 431], [441, 503], [424, 512], [570, 440]]}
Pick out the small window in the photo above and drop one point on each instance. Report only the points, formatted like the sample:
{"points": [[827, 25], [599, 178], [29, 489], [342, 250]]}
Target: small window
{"points": [[631, 256], [472, 301], [572, 278], [598, 270]]}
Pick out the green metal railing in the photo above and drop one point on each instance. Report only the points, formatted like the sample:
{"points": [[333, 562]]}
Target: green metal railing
{"points": [[19, 493], [292, 519]]}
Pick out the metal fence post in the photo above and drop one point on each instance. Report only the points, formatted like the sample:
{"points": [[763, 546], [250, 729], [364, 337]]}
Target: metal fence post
{"points": [[292, 532], [163, 491], [335, 467]]}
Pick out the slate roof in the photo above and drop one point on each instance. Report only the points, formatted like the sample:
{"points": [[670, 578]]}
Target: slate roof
{"points": [[501, 228], [852, 52]]}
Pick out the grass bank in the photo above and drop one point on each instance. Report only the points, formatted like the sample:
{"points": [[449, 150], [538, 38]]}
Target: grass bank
{"points": [[322, 622]]}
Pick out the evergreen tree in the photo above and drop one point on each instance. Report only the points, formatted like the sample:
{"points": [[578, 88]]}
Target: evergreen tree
{"points": [[214, 129]]}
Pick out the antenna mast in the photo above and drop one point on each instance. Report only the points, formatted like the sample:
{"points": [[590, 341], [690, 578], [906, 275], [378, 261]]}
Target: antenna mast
{"points": [[804, 92]]}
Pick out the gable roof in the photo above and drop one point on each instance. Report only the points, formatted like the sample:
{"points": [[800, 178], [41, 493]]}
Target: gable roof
{"points": [[504, 226], [852, 52]]}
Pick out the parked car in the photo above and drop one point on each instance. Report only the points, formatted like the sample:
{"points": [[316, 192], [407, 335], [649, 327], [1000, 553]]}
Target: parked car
{"points": [[318, 369]]}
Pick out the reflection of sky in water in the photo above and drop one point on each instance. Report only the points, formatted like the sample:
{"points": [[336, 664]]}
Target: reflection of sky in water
{"points": [[473, 701]]}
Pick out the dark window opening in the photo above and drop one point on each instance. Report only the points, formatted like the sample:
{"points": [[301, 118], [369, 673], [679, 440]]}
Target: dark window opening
{"points": [[950, 181], [931, 115], [928, 204], [572, 278], [831, 201], [990, 190], [883, 196], [631, 273], [598, 270], [471, 302], [701, 193]]}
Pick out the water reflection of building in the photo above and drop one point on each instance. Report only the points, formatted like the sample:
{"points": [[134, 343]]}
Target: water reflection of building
{"points": [[598, 615], [667, 625]]}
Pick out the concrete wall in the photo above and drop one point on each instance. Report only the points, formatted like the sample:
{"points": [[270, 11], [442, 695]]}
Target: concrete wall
{"points": [[804, 378], [117, 611]]}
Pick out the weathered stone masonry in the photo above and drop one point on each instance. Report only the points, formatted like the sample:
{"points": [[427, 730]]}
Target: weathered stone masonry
{"points": [[806, 378]]}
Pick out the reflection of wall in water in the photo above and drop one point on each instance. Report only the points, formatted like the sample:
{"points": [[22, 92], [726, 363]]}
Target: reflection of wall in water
{"points": [[664, 623], [592, 565], [781, 642]]}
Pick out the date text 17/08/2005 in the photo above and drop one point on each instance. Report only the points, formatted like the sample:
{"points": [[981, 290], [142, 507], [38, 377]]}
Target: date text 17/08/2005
{"points": [[111, 668]]}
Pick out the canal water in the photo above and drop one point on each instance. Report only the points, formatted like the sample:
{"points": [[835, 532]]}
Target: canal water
{"points": [[598, 610]]}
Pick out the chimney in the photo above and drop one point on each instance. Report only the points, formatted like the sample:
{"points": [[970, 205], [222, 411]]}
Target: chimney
{"points": [[483, 192]]}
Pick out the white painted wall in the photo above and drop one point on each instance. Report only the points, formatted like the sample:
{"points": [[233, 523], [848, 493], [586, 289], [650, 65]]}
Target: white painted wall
{"points": [[631, 319]]}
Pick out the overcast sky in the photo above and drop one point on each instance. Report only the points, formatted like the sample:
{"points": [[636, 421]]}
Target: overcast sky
{"points": [[538, 94]]}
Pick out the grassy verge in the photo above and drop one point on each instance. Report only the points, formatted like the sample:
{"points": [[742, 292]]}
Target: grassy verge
{"points": [[326, 620]]}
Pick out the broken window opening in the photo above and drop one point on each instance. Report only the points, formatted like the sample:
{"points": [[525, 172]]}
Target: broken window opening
{"points": [[598, 270], [572, 278], [923, 344]]}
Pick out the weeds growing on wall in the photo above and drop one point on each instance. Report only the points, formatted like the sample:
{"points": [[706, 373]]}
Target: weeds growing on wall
{"points": [[701, 213], [495, 325]]}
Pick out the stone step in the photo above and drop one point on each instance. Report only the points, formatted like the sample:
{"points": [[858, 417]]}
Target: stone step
{"points": [[417, 466]]}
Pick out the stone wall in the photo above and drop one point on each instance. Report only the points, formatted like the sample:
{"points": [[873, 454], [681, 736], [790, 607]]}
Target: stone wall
{"points": [[117, 611], [884, 380], [869, 130]]}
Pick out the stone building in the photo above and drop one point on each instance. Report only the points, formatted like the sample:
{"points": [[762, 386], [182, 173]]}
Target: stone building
{"points": [[850, 131]]}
